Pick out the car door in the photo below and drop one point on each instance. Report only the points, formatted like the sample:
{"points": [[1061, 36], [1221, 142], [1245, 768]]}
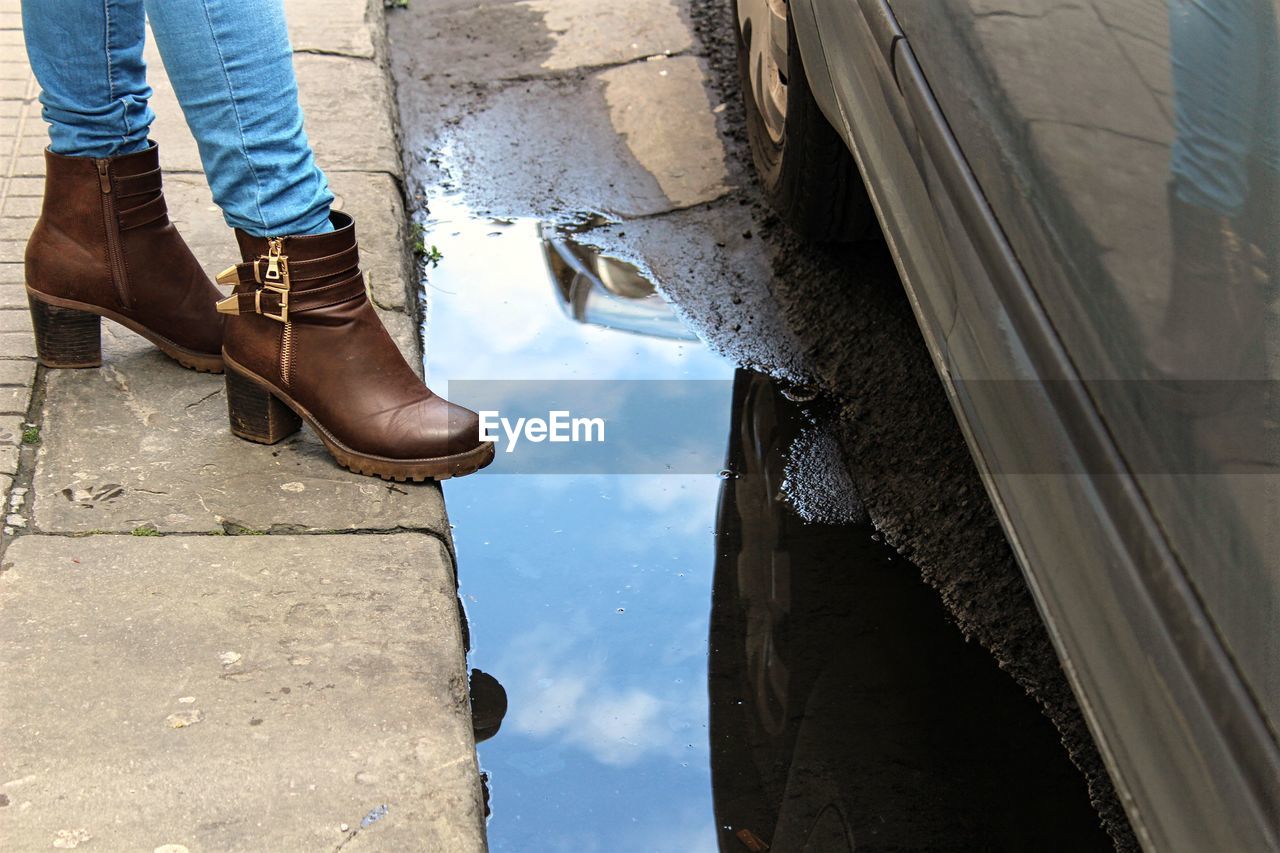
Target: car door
{"points": [[1046, 135]]}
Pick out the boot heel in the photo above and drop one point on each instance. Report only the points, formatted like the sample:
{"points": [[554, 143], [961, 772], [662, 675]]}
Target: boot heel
{"points": [[66, 337], [256, 414]]}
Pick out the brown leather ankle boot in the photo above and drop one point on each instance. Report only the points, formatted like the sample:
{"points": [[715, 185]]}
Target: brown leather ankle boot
{"points": [[104, 247], [304, 342]]}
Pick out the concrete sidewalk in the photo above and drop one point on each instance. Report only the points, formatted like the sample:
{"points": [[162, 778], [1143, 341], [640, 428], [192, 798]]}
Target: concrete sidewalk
{"points": [[200, 649]]}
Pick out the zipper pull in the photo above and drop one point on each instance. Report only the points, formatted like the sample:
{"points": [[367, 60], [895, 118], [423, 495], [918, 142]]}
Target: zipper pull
{"points": [[104, 179], [274, 248]]}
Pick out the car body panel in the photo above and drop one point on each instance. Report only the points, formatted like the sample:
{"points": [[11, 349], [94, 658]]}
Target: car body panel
{"points": [[890, 146], [1040, 373], [1067, 117]]}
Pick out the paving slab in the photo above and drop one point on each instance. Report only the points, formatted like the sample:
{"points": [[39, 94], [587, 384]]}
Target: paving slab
{"points": [[234, 694], [13, 246], [330, 26], [662, 111], [595, 144], [143, 442], [17, 372], [14, 400], [17, 345], [13, 296], [11, 428], [382, 228], [544, 37], [199, 220], [223, 692], [343, 100], [350, 100], [22, 206]]}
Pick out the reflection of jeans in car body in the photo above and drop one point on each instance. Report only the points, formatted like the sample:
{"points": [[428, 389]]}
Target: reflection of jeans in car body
{"points": [[1226, 73], [231, 66]]}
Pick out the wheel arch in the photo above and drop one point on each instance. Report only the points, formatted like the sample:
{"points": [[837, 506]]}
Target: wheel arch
{"points": [[812, 55]]}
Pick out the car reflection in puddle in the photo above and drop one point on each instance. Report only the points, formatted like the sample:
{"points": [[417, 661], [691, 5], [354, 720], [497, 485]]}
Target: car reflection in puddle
{"points": [[842, 703], [600, 290]]}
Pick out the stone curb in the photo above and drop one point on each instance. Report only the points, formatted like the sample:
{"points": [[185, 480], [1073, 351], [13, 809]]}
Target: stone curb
{"points": [[344, 77]]}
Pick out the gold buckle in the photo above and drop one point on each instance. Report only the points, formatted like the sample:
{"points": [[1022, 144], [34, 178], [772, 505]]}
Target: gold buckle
{"points": [[231, 304], [283, 316], [276, 279]]}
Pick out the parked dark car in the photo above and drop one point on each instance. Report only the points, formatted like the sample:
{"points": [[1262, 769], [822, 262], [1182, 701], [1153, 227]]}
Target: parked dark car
{"points": [[1082, 202]]}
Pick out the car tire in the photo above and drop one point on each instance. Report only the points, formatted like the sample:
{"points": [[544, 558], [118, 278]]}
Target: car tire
{"points": [[805, 168]]}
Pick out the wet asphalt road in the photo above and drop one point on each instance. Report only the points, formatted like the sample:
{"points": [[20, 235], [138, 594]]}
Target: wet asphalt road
{"points": [[617, 126]]}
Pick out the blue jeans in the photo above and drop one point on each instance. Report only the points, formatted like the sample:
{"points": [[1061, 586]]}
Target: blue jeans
{"points": [[231, 66], [1226, 59]]}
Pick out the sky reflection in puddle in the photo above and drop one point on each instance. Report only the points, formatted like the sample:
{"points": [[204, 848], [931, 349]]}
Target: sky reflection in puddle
{"points": [[587, 594], [839, 686]]}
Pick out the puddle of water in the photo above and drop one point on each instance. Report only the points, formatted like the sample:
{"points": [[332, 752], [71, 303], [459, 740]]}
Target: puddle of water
{"points": [[586, 595], [494, 311], [685, 664]]}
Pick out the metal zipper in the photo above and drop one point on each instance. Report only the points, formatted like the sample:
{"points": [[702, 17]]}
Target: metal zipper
{"points": [[275, 246], [115, 255], [275, 249], [286, 352]]}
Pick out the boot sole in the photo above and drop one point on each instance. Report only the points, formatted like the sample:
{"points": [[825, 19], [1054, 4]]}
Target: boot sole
{"points": [[262, 413], [79, 346]]}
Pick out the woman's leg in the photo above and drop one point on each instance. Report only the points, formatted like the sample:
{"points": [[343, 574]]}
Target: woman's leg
{"points": [[103, 245], [87, 57], [231, 65]]}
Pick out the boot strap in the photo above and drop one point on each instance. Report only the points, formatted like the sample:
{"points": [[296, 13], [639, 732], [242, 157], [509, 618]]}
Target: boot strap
{"points": [[281, 304], [144, 183], [253, 272], [143, 214]]}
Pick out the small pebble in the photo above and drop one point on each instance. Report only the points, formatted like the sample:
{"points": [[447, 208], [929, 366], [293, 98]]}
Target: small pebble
{"points": [[186, 700], [229, 658], [342, 827], [182, 719]]}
